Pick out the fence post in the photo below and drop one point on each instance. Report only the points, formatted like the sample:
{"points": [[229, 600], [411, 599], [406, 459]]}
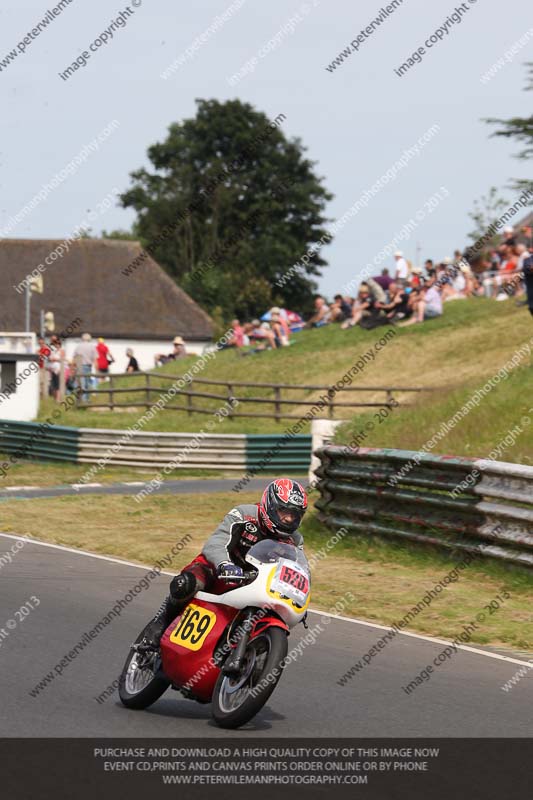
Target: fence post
{"points": [[189, 398], [390, 398], [111, 394], [230, 399], [330, 406], [147, 390], [62, 379], [277, 395]]}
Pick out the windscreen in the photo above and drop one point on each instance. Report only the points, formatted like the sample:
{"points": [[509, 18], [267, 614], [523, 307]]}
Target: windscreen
{"points": [[268, 552]]}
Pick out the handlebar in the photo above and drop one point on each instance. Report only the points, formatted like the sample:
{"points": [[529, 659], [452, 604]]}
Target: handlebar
{"points": [[247, 576]]}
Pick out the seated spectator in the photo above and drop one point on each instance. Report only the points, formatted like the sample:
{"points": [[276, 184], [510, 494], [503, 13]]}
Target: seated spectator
{"points": [[280, 316], [280, 328], [416, 278], [384, 280], [133, 364], [321, 316], [237, 338], [428, 265], [398, 305], [363, 306], [258, 331], [427, 306], [177, 352], [340, 309]]}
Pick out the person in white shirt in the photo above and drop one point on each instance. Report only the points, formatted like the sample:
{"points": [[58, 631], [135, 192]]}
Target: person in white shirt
{"points": [[402, 268], [428, 306]]}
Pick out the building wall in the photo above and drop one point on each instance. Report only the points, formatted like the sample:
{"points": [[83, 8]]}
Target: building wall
{"points": [[144, 351], [23, 403]]}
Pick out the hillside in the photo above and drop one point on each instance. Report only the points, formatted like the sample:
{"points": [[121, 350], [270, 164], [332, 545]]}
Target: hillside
{"points": [[454, 354]]}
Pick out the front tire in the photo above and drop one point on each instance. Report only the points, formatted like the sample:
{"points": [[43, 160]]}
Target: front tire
{"points": [[142, 680], [237, 699]]}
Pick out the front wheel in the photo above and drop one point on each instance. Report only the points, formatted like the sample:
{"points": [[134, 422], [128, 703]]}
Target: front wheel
{"points": [[142, 681], [237, 699]]}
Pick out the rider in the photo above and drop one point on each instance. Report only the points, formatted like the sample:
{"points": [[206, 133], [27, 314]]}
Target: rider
{"points": [[277, 516]]}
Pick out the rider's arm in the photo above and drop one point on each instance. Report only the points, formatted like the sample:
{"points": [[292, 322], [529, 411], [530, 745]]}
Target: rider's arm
{"points": [[218, 547], [298, 540]]}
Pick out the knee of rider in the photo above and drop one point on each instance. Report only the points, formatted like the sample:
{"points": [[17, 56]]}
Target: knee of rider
{"points": [[183, 586]]}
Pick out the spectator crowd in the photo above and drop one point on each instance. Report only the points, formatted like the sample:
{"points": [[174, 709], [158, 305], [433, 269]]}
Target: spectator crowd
{"points": [[407, 294], [88, 367], [403, 295]]}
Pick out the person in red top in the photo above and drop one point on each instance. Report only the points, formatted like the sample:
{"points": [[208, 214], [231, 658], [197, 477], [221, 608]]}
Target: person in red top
{"points": [[237, 339], [103, 357], [43, 352]]}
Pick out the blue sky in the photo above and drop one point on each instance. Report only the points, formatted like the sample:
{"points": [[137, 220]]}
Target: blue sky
{"points": [[355, 121]]}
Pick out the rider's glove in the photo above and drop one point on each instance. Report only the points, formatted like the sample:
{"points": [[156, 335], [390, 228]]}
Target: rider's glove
{"points": [[229, 570]]}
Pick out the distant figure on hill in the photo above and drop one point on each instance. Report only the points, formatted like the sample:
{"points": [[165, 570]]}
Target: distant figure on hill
{"points": [[133, 364], [178, 351], [84, 359]]}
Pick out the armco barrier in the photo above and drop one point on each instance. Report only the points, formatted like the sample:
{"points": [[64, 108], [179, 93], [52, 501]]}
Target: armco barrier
{"points": [[240, 452], [408, 495], [38, 440]]}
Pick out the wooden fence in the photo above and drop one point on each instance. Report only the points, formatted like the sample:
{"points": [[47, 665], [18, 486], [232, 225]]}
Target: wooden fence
{"points": [[111, 396]]}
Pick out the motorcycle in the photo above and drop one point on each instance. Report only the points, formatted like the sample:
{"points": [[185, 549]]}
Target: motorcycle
{"points": [[227, 649]]}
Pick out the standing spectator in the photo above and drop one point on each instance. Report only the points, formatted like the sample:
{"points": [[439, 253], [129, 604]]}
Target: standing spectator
{"points": [[133, 364], [321, 316], [402, 268], [55, 359], [84, 359], [384, 280], [103, 359], [43, 352], [508, 234]]}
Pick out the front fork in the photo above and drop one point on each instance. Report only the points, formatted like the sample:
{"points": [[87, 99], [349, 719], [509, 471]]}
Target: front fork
{"points": [[233, 663]]}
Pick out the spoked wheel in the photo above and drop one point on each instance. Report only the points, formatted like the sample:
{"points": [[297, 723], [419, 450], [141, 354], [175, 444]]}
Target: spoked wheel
{"points": [[236, 699], [142, 681]]}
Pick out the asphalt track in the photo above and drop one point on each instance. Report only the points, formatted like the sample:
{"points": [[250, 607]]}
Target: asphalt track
{"points": [[463, 697], [193, 486]]}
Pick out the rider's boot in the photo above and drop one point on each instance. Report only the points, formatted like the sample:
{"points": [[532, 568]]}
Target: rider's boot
{"points": [[168, 611], [182, 588]]}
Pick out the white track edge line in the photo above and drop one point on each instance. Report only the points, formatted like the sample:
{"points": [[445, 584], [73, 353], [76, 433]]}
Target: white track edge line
{"points": [[353, 620]]}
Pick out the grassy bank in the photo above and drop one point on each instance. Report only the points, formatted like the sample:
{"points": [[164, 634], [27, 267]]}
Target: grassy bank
{"points": [[507, 407], [386, 579], [471, 340]]}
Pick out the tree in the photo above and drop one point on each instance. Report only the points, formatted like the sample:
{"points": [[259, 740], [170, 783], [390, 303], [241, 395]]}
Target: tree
{"points": [[520, 128], [129, 236], [230, 206], [486, 211]]}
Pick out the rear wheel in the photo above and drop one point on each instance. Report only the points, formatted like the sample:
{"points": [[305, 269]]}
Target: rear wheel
{"points": [[142, 680], [237, 699]]}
